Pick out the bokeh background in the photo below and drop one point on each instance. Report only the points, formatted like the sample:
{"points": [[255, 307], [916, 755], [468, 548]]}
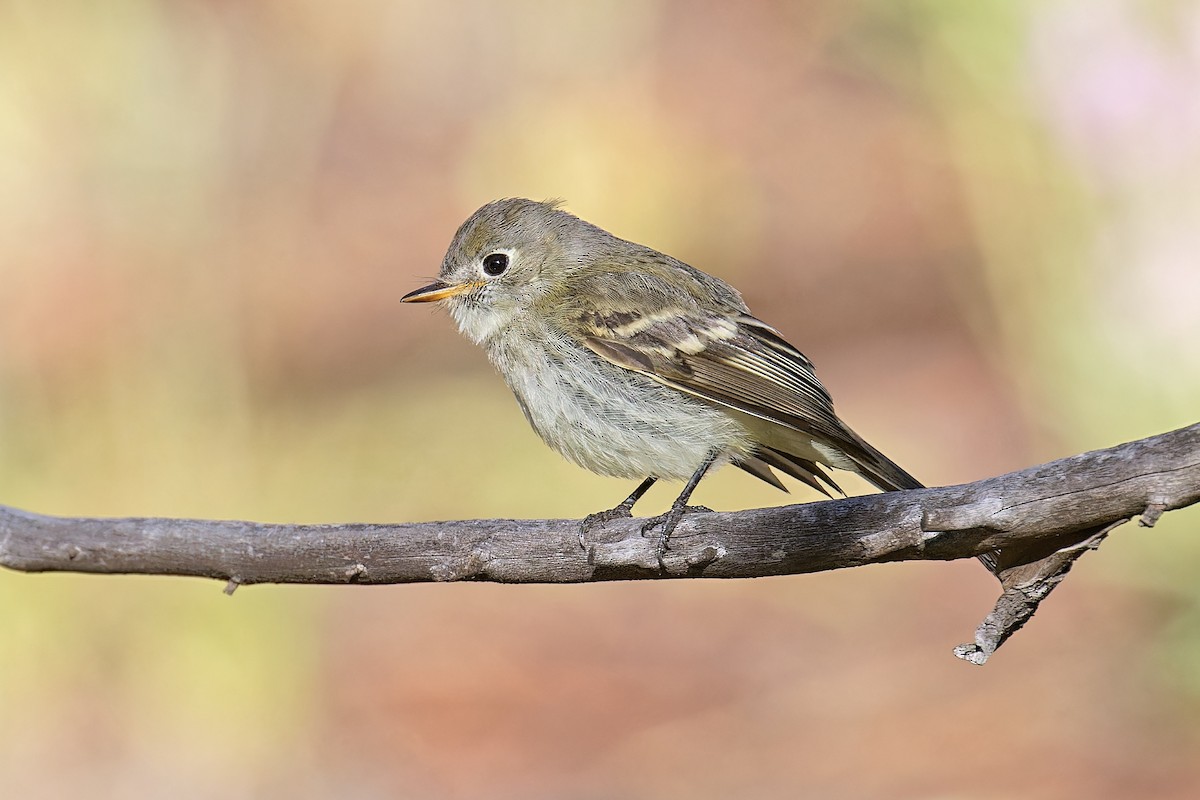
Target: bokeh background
{"points": [[981, 220]]}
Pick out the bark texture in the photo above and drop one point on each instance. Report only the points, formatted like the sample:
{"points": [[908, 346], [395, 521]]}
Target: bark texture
{"points": [[1033, 524]]}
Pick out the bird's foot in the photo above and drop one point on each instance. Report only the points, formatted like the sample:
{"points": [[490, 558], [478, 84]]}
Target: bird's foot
{"points": [[668, 521], [623, 511]]}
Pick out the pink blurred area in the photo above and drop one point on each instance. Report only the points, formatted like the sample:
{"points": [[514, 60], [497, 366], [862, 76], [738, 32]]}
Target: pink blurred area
{"points": [[210, 210]]}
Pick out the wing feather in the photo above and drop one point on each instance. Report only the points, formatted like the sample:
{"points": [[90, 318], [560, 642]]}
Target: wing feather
{"points": [[718, 352], [723, 361]]}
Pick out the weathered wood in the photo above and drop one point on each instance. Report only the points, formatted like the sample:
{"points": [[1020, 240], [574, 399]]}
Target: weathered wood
{"points": [[1035, 522]]}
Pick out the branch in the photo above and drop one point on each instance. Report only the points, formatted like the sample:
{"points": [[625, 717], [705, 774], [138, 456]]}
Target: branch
{"points": [[1030, 525]]}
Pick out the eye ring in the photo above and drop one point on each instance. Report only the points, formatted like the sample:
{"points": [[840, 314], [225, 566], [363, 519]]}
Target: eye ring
{"points": [[495, 264]]}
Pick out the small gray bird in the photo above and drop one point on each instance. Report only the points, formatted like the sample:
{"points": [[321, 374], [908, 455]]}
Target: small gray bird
{"points": [[633, 364]]}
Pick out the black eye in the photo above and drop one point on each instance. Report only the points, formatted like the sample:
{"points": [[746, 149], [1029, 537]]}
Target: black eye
{"points": [[495, 264]]}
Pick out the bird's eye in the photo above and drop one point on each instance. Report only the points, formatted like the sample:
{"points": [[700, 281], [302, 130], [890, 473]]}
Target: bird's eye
{"points": [[495, 264]]}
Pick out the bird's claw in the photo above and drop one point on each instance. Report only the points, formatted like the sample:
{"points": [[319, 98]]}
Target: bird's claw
{"points": [[623, 511], [668, 521]]}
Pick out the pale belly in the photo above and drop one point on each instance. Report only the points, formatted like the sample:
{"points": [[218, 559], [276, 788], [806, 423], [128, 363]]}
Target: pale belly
{"points": [[616, 422]]}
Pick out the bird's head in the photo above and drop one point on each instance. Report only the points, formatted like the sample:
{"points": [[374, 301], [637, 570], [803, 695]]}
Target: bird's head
{"points": [[504, 259]]}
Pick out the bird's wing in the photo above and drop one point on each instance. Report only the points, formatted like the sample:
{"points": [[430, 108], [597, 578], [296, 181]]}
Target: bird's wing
{"points": [[733, 360], [713, 350], [726, 356]]}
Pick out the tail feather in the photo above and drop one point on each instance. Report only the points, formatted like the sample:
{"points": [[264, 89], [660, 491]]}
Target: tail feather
{"points": [[876, 467], [759, 465], [802, 453], [760, 470], [800, 468], [792, 452]]}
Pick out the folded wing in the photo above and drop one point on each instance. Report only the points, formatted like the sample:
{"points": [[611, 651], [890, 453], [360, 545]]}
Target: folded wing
{"points": [[727, 357]]}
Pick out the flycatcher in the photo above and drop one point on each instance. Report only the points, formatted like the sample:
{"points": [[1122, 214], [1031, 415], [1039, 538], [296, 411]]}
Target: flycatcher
{"points": [[633, 364]]}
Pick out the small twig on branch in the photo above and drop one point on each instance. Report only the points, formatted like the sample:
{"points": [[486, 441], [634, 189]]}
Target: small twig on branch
{"points": [[1033, 524]]}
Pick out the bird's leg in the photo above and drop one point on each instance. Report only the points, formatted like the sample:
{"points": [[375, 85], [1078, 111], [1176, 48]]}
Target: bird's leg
{"points": [[680, 507], [623, 511]]}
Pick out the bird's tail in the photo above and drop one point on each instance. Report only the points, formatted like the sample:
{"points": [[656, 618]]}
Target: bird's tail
{"points": [[875, 466], [801, 454]]}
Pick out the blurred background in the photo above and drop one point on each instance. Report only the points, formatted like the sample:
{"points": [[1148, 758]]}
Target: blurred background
{"points": [[981, 221]]}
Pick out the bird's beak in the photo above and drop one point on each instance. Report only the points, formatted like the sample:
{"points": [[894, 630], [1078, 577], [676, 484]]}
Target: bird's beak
{"points": [[438, 290]]}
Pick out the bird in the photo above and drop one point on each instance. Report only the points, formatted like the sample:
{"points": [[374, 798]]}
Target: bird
{"points": [[632, 364]]}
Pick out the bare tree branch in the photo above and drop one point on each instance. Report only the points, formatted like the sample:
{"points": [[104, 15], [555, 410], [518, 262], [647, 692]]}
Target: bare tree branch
{"points": [[1035, 523]]}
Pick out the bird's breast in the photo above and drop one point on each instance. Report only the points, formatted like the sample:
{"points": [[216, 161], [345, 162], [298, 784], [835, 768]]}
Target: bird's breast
{"points": [[608, 419]]}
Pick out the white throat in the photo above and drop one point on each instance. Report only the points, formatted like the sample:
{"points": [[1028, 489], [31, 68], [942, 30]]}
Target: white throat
{"points": [[478, 322]]}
